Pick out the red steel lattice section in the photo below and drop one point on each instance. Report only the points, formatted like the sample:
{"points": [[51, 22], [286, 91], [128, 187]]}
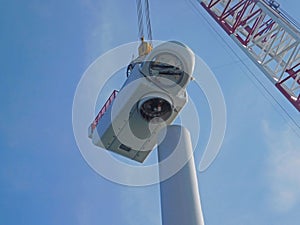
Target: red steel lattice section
{"points": [[104, 109]]}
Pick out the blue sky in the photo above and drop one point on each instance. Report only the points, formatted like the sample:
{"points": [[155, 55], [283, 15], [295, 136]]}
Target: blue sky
{"points": [[45, 48]]}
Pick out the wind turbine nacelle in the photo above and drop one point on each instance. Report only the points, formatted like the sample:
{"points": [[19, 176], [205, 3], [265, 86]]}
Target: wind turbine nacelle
{"points": [[151, 98]]}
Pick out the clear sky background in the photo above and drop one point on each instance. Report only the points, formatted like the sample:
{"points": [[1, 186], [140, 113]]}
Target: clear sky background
{"points": [[45, 47]]}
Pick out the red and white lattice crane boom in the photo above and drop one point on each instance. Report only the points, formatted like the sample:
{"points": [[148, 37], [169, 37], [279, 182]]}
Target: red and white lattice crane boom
{"points": [[267, 35]]}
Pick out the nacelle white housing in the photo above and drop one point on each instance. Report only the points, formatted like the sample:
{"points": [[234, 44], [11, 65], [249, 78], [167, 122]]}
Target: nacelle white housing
{"points": [[151, 98]]}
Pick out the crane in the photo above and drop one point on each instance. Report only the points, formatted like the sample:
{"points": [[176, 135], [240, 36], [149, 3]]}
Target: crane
{"points": [[268, 36], [264, 32]]}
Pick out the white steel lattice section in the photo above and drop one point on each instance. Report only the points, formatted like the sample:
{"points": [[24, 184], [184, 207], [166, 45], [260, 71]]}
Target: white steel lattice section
{"points": [[266, 36]]}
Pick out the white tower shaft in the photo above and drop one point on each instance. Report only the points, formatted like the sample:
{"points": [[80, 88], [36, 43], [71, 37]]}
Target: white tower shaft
{"points": [[180, 199]]}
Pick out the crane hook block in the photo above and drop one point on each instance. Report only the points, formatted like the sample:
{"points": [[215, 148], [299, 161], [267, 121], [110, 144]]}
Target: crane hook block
{"points": [[145, 48]]}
